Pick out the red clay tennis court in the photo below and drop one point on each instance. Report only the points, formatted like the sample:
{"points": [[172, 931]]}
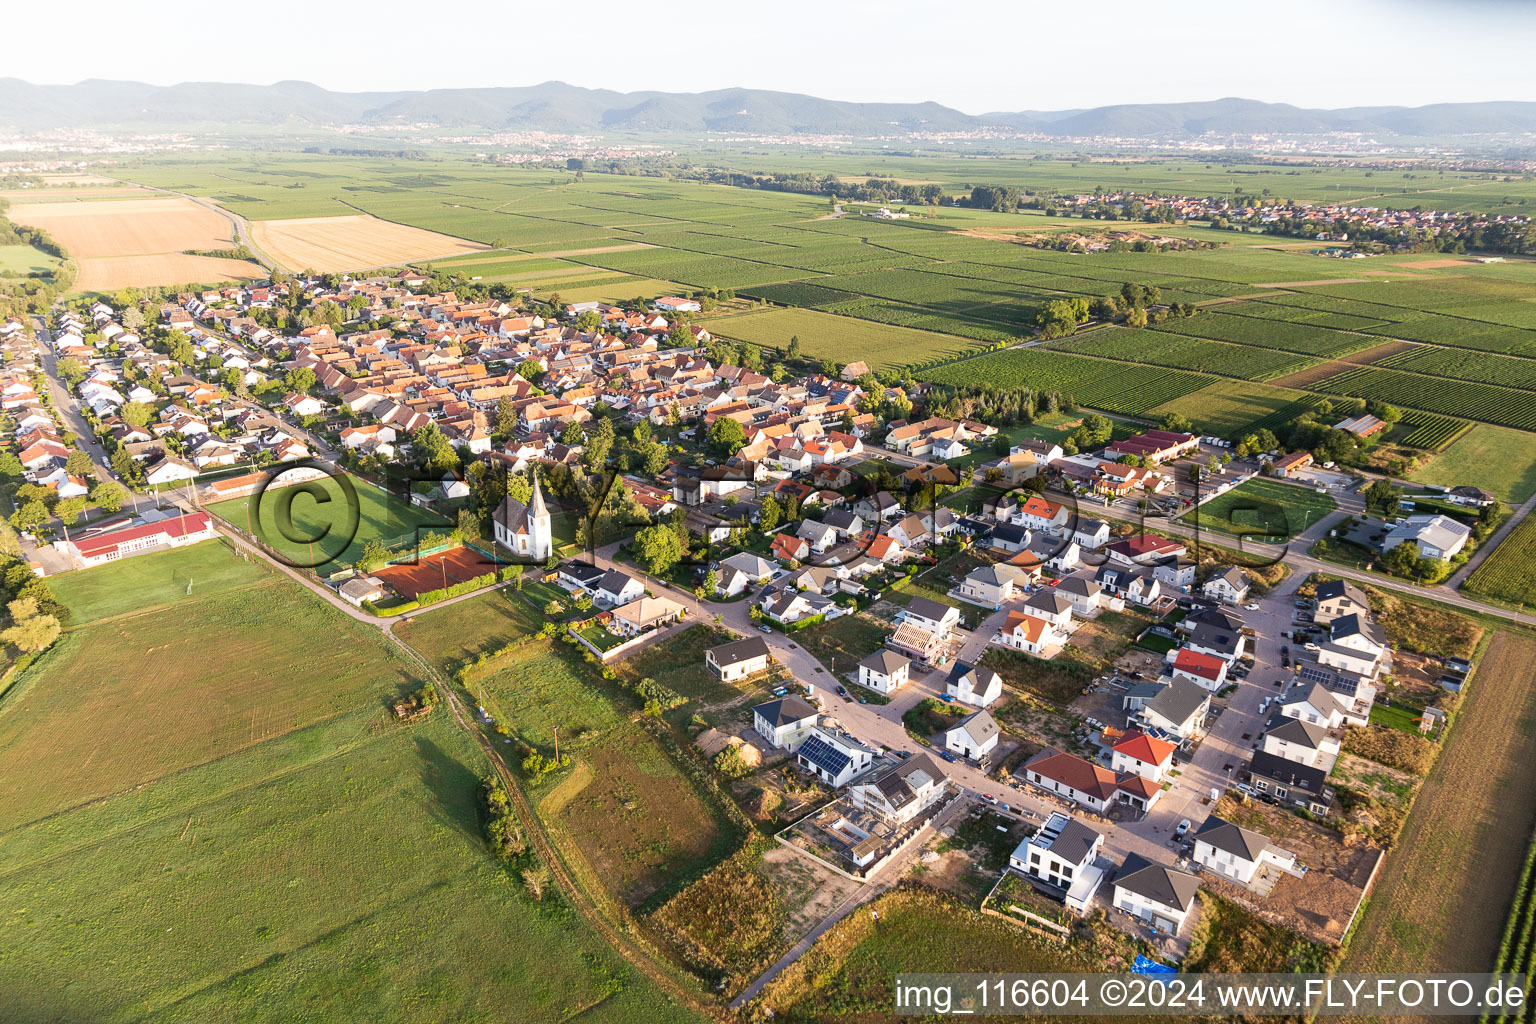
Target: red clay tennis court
{"points": [[433, 572]]}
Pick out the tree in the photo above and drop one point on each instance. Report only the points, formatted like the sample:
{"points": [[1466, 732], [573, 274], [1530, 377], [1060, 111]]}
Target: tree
{"points": [[793, 352], [589, 321], [30, 517], [530, 370], [30, 629], [79, 464], [432, 448], [69, 510], [659, 548], [108, 496], [515, 571], [136, 414], [506, 417], [599, 443], [726, 437], [375, 555], [1382, 497], [707, 587], [468, 524], [572, 434], [132, 318], [299, 379], [69, 371], [1178, 423], [769, 513]]}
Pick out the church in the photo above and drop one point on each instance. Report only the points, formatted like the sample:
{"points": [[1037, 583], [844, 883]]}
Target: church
{"points": [[525, 529]]}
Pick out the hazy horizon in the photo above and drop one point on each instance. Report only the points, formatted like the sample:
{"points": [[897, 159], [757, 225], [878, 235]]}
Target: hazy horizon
{"points": [[994, 58]]}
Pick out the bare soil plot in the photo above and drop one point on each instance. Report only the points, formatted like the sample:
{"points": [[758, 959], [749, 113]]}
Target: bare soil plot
{"points": [[351, 243], [128, 227], [1380, 352], [105, 275], [1339, 873], [1312, 374], [1441, 900]]}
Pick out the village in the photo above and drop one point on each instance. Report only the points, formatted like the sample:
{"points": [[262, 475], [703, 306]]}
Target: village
{"points": [[1193, 747]]}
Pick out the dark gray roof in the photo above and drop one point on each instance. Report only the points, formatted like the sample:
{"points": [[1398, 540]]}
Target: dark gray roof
{"points": [[1294, 730], [1165, 885], [1312, 781], [1074, 842], [1049, 601], [894, 782], [927, 608], [885, 662], [614, 581], [1008, 533], [1178, 700], [582, 572], [1078, 585], [738, 651], [785, 711], [1214, 638], [1351, 624], [1329, 589], [1234, 839]]}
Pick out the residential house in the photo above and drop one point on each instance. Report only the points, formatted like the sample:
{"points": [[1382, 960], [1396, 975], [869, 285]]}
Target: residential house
{"points": [[925, 613], [1300, 741], [1054, 608], [1435, 536], [884, 672], [1083, 782], [1174, 710], [974, 736], [1313, 703], [784, 723], [1355, 644], [970, 684], [645, 614], [1202, 669], [360, 590], [576, 575], [1291, 782], [1160, 896], [1140, 754], [1338, 598], [168, 469], [616, 589], [899, 793], [739, 659], [1029, 633], [1087, 597], [1235, 852], [991, 586], [834, 757], [1063, 853], [1091, 534], [1230, 586]]}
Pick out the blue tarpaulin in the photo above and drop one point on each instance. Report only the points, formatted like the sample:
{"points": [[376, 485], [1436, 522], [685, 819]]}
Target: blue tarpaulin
{"points": [[1146, 966]]}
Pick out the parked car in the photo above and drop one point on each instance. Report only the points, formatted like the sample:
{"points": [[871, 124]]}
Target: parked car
{"points": [[1184, 826], [1251, 606]]}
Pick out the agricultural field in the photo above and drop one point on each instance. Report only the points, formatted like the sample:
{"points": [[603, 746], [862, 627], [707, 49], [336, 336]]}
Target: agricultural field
{"points": [[337, 870], [335, 244], [1497, 459], [1230, 408], [1478, 805], [1509, 573], [1428, 431], [1463, 364], [448, 637], [1262, 509], [541, 688], [122, 243], [190, 683], [337, 540], [1486, 402], [825, 336], [1096, 383], [1287, 336], [1197, 354]]}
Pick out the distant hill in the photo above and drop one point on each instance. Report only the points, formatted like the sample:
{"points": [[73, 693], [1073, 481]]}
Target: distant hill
{"points": [[558, 107]]}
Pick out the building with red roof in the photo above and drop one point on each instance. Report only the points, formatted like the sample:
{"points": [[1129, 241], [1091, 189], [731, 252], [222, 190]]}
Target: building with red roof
{"points": [[1142, 755], [1207, 670], [110, 545], [1089, 784]]}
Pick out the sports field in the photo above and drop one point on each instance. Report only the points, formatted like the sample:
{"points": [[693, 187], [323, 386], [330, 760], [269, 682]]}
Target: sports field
{"points": [[139, 584], [1262, 509], [1497, 459], [334, 244], [313, 525]]}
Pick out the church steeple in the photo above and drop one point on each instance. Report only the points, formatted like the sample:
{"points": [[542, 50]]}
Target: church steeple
{"points": [[536, 504]]}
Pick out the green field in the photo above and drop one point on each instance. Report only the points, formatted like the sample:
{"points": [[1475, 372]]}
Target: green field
{"points": [[145, 582], [1499, 460], [447, 637], [1096, 383], [334, 873], [325, 516], [1509, 573], [1231, 408], [21, 260], [1262, 509]]}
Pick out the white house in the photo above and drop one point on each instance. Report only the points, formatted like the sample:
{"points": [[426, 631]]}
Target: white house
{"points": [[901, 792], [1177, 709], [1054, 608], [833, 757], [1436, 536], [616, 589], [1091, 534], [1304, 742], [938, 619], [1062, 854], [1142, 755], [1229, 586], [1160, 896], [1200, 668], [974, 736], [739, 659], [169, 470], [1313, 703], [1091, 785], [884, 672], [973, 685], [784, 723], [1234, 852], [1029, 633], [303, 405], [991, 586]]}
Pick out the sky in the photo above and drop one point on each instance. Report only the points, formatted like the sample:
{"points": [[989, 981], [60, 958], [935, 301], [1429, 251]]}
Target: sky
{"points": [[982, 56]]}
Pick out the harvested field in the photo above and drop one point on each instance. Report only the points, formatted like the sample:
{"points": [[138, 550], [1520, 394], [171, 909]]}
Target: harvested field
{"points": [[1380, 352], [128, 227], [105, 275], [351, 243], [1477, 807], [1312, 374]]}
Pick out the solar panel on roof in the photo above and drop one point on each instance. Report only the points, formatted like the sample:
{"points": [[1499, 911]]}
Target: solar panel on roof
{"points": [[820, 754]]}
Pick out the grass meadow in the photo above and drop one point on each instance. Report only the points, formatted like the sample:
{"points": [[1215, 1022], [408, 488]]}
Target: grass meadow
{"points": [[1263, 509], [1497, 459]]}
